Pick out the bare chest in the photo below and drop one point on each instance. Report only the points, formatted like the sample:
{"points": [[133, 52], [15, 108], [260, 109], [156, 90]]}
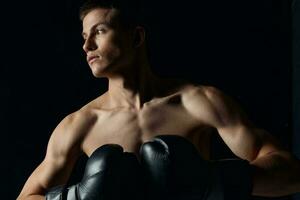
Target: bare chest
{"points": [[132, 128]]}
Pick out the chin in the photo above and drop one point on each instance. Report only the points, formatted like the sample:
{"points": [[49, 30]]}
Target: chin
{"points": [[97, 70], [98, 74], [101, 70]]}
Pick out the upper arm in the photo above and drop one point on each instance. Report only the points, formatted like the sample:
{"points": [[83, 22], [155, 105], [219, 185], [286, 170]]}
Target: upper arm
{"points": [[63, 151], [218, 110]]}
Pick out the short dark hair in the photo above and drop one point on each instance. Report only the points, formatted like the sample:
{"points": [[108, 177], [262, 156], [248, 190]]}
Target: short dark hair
{"points": [[129, 10]]}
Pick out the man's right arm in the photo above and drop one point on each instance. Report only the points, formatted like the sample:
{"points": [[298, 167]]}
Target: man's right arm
{"points": [[63, 150]]}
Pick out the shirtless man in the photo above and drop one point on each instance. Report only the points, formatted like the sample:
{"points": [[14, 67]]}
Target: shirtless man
{"points": [[138, 105]]}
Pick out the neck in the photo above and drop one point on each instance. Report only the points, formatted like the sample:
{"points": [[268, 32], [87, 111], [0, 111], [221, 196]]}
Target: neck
{"points": [[133, 87]]}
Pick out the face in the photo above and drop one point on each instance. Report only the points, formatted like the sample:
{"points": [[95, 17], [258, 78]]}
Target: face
{"points": [[107, 45]]}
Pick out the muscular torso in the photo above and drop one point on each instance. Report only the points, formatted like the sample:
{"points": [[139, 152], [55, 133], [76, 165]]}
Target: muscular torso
{"points": [[131, 128]]}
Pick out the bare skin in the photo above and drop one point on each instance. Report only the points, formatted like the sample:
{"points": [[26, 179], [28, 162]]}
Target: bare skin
{"points": [[138, 106]]}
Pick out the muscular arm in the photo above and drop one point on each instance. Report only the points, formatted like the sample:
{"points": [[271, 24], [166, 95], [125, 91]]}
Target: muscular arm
{"points": [[277, 172], [62, 152]]}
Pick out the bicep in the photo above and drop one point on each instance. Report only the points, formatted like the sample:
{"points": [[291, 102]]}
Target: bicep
{"points": [[220, 111], [48, 174], [244, 139], [249, 142], [62, 153]]}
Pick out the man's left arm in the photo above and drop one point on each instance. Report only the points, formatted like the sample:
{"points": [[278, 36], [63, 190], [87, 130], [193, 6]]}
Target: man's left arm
{"points": [[276, 170]]}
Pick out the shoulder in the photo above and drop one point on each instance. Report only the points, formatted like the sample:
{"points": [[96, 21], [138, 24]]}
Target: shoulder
{"points": [[85, 117], [73, 121], [206, 91], [68, 135], [211, 104], [199, 94]]}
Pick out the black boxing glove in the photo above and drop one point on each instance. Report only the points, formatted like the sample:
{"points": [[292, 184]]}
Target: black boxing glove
{"points": [[175, 170], [108, 174]]}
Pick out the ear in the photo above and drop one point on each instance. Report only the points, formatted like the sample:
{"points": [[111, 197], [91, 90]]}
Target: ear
{"points": [[139, 36]]}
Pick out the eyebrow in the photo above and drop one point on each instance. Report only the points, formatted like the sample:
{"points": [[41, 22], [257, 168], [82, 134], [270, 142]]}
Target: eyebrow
{"points": [[83, 34]]}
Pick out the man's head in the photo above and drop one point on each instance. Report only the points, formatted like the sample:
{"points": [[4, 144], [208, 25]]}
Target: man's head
{"points": [[129, 12], [114, 34]]}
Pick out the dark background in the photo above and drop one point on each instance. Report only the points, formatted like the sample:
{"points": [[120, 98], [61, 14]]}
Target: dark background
{"points": [[242, 47]]}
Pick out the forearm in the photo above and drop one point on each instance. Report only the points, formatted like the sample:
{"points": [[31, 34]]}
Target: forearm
{"points": [[276, 174]]}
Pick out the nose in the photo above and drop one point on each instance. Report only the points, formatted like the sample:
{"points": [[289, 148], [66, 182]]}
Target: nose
{"points": [[89, 45]]}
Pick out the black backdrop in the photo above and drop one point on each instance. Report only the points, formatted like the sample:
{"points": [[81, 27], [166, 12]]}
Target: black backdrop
{"points": [[241, 47], [296, 79]]}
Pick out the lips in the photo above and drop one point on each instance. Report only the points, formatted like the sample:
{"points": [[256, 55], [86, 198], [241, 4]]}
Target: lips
{"points": [[91, 58]]}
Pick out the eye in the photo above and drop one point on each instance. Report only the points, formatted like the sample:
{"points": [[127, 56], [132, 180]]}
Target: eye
{"points": [[100, 31]]}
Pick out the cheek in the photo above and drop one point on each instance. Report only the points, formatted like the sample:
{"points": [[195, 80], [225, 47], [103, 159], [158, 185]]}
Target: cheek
{"points": [[110, 49]]}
